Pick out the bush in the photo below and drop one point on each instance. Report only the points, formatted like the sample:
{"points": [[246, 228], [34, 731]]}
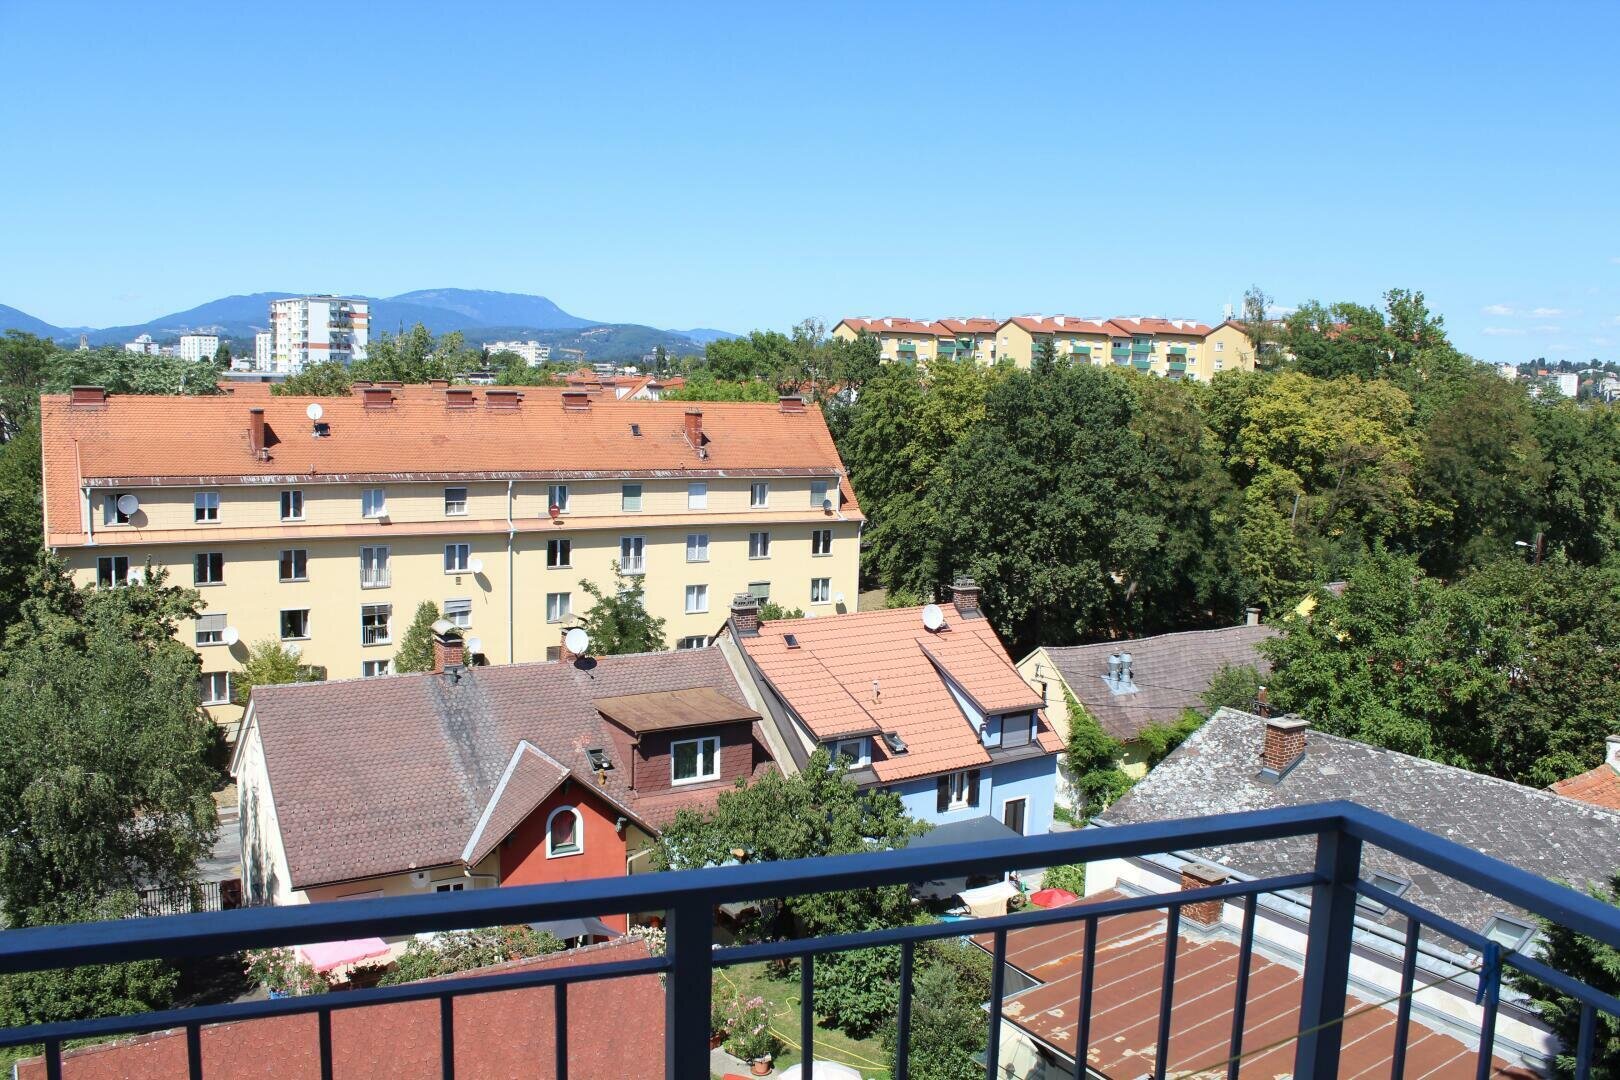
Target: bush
{"points": [[855, 989], [1158, 740], [947, 1015], [462, 950], [1071, 877], [281, 972], [749, 1022]]}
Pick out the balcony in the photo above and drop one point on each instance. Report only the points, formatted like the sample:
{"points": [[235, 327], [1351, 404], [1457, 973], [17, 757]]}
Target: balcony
{"points": [[1310, 1045]]}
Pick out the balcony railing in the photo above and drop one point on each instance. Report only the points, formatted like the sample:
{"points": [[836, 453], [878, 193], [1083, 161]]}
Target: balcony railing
{"points": [[688, 964]]}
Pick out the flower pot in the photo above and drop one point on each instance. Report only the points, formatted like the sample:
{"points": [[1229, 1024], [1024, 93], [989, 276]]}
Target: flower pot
{"points": [[761, 1065], [715, 1039]]}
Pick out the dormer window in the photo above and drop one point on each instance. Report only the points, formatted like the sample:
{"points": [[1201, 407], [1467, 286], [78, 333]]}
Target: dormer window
{"points": [[854, 751], [692, 761]]}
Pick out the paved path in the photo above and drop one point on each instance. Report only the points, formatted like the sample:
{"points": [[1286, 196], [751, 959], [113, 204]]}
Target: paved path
{"points": [[225, 862]]}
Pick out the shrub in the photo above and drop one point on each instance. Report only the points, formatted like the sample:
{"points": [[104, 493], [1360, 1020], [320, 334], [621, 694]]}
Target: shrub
{"points": [[749, 1024], [855, 989], [1071, 877], [282, 972], [462, 950]]}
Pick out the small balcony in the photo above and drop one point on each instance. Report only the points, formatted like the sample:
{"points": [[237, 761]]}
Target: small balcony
{"points": [[1210, 1007]]}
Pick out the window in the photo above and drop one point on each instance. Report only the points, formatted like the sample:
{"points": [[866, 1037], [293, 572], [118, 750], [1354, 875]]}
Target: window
{"points": [[559, 554], [557, 495], [1390, 883], [373, 503], [1016, 729], [697, 495], [456, 557], [110, 514], [374, 623], [851, 750], [292, 505], [697, 599], [211, 629], [294, 623], [450, 885], [455, 502], [458, 612], [370, 669], [692, 761], [696, 641], [821, 541], [958, 790], [630, 497], [374, 573], [112, 570], [294, 564], [553, 653], [559, 606], [1220, 346], [565, 832], [214, 687], [759, 545], [1511, 934], [697, 547], [205, 505], [759, 495], [818, 493], [820, 590], [760, 590], [631, 552], [208, 568]]}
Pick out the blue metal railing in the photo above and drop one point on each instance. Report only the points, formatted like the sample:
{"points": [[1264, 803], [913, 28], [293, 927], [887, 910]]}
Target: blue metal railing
{"points": [[690, 897]]}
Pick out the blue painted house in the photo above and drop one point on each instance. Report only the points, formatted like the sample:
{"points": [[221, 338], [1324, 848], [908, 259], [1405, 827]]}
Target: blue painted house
{"points": [[924, 702]]}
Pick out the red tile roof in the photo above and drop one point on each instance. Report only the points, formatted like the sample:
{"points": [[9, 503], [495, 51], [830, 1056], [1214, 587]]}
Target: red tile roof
{"points": [[891, 325], [1161, 326], [1600, 787], [139, 439], [1129, 969], [498, 1034], [1061, 324], [827, 681], [974, 325]]}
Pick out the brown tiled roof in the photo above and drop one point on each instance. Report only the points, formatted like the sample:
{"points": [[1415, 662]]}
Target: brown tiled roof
{"points": [[663, 710], [497, 1034], [1600, 787], [827, 681], [1186, 327], [379, 776], [205, 439], [531, 775], [892, 325], [1129, 969], [968, 326], [1171, 671]]}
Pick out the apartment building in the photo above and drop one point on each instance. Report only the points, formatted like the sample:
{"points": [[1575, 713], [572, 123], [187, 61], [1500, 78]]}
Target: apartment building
{"points": [[198, 346], [904, 340], [143, 345], [312, 329], [533, 353], [324, 528], [262, 350]]}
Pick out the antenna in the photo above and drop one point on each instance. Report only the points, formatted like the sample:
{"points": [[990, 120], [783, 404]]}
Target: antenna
{"points": [[826, 505], [314, 412], [577, 641], [128, 504], [933, 618]]}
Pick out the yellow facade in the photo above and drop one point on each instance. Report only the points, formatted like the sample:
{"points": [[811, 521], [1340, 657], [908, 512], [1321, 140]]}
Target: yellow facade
{"points": [[507, 579], [1228, 348]]}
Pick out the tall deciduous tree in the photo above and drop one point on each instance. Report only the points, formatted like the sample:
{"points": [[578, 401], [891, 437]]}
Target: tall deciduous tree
{"points": [[269, 663], [618, 622]]}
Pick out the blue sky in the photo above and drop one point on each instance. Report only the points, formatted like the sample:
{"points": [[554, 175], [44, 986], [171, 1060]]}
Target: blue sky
{"points": [[752, 164]]}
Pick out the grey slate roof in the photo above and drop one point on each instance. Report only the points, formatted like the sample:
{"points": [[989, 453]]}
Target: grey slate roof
{"points": [[1213, 772], [1172, 672], [379, 776]]}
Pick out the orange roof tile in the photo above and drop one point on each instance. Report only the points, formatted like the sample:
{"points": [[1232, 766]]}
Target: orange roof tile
{"points": [[1185, 327], [892, 325], [973, 325], [828, 681], [1061, 324], [146, 441], [1600, 787]]}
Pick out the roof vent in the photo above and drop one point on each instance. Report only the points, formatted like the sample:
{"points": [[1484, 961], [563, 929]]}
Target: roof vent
{"points": [[576, 401], [508, 400], [894, 742], [459, 397], [377, 397], [1120, 678], [790, 640], [791, 403], [600, 762]]}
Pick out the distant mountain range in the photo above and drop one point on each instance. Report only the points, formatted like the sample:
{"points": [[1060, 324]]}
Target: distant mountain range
{"points": [[480, 314]]}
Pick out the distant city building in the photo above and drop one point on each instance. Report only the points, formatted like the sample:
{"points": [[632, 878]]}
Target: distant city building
{"points": [[198, 346], [261, 350], [84, 342], [143, 346], [533, 353], [313, 329], [1507, 371]]}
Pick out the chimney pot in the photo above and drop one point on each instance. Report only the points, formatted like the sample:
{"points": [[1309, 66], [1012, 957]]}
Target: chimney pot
{"points": [[1205, 913], [745, 614], [965, 594], [449, 652], [439, 384], [694, 427], [791, 403], [256, 431], [1283, 747], [458, 397], [1252, 616], [88, 395], [502, 399], [576, 401], [377, 397]]}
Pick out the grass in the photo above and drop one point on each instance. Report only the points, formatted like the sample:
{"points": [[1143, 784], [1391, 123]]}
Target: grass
{"points": [[782, 995]]}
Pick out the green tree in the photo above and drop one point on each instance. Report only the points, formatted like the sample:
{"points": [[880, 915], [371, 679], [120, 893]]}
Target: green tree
{"points": [[704, 386], [222, 356], [1587, 961], [618, 622], [948, 1025], [24, 363], [463, 950], [1232, 688], [416, 647], [325, 379], [415, 356], [269, 663], [770, 611], [20, 516], [1577, 501]]}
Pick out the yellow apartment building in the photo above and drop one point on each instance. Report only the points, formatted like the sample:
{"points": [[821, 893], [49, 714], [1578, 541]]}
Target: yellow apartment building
{"points": [[325, 532], [903, 340]]}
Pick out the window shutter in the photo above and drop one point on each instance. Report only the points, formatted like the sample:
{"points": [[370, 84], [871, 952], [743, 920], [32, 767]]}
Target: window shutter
{"points": [[944, 793], [973, 787]]}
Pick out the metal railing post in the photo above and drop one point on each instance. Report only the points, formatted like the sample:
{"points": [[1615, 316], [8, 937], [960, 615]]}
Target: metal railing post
{"points": [[1327, 956], [689, 943]]}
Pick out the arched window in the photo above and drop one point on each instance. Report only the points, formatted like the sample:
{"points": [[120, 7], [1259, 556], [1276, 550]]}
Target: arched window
{"points": [[565, 832]]}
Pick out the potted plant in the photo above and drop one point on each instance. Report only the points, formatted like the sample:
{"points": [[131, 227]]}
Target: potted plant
{"points": [[283, 974], [750, 1034]]}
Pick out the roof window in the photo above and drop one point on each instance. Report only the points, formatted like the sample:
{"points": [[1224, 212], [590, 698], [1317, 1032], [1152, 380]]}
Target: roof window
{"points": [[790, 640], [1510, 933], [1390, 883]]}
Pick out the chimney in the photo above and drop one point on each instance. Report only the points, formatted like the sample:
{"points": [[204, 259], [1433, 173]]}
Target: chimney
{"points": [[1204, 913], [1262, 703], [377, 397], [694, 427], [88, 395], [458, 397], [509, 400], [439, 384], [256, 431], [1283, 748], [791, 403], [565, 654], [1613, 754], [449, 651], [965, 594], [576, 401], [1251, 616], [745, 615]]}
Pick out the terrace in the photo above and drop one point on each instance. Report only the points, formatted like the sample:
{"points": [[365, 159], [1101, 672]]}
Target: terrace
{"points": [[1316, 1036]]}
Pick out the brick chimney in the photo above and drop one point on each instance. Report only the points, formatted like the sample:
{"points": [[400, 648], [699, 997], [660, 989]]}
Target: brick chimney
{"points": [[377, 397], [694, 427], [88, 396], [256, 431], [439, 384], [1283, 748], [1613, 752], [791, 403], [564, 653], [502, 399], [745, 614], [458, 397], [449, 651], [965, 594], [1204, 913], [576, 401]]}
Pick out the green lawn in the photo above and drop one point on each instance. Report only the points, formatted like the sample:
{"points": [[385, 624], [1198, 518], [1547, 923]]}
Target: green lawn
{"points": [[783, 996]]}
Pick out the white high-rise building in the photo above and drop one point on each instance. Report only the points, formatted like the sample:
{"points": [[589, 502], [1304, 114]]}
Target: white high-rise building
{"points": [[143, 345], [532, 352], [198, 346], [313, 329], [261, 350]]}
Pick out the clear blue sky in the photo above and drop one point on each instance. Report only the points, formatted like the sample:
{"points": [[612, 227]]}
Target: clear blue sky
{"points": [[748, 165]]}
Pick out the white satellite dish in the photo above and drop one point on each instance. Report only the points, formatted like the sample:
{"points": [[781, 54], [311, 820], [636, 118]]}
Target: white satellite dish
{"points": [[128, 504], [577, 641], [933, 617], [475, 645], [230, 636], [314, 412], [838, 598], [476, 566]]}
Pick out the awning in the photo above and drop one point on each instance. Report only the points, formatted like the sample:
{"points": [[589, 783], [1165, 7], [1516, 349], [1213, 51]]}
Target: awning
{"points": [[972, 830], [334, 954], [568, 929]]}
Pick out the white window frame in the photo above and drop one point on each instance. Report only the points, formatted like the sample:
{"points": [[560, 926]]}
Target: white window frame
{"points": [[959, 786], [861, 756], [759, 495], [209, 697], [455, 507], [639, 543], [759, 544], [461, 614], [625, 498], [697, 495], [113, 578], [385, 630], [374, 502], [376, 669], [110, 514], [282, 559], [579, 833], [563, 546], [381, 572], [693, 641], [697, 599], [820, 538], [821, 590], [281, 625], [700, 777], [210, 629], [697, 547], [457, 558], [1526, 931], [454, 884], [205, 507], [557, 495], [292, 504], [819, 492], [559, 607]]}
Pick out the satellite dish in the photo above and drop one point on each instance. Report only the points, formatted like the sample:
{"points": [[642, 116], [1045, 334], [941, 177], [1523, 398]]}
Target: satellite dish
{"points": [[826, 504], [230, 636], [933, 617], [577, 641], [128, 504], [838, 598], [314, 412], [475, 645], [476, 566], [443, 626]]}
